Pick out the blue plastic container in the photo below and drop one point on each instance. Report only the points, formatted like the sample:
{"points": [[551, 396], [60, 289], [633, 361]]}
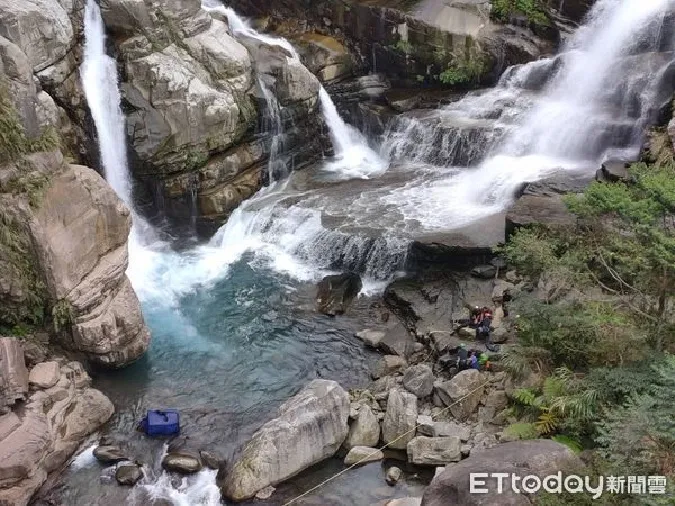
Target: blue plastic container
{"points": [[161, 422]]}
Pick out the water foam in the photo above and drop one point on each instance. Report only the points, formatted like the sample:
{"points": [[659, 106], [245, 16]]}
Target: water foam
{"points": [[573, 125]]}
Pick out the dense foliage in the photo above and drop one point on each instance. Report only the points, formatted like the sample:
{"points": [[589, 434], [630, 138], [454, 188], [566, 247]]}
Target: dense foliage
{"points": [[533, 10], [597, 325]]}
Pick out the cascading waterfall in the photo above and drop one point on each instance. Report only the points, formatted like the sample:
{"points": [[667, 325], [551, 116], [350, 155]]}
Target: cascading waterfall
{"points": [[276, 166], [354, 158], [103, 98], [586, 113]]}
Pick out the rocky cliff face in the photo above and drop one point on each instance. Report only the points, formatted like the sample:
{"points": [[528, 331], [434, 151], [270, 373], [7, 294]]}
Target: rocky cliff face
{"points": [[407, 41], [63, 246], [39, 435], [193, 100]]}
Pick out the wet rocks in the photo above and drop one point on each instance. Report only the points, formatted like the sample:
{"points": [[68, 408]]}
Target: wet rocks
{"points": [[109, 454], [311, 427], [336, 292], [209, 460], [52, 425], [400, 419], [182, 463], [614, 171], [371, 338], [363, 455], [484, 271], [393, 475], [128, 473], [539, 457], [434, 451], [387, 365], [419, 380], [44, 375], [365, 430]]}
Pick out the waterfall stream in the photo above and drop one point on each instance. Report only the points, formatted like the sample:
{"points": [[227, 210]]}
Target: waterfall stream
{"points": [[234, 332]]}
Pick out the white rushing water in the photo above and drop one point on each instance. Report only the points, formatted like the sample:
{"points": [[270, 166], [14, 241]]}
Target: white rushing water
{"points": [[98, 73], [570, 126], [353, 157]]}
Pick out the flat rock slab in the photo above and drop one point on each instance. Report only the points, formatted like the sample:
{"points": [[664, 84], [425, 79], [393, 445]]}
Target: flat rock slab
{"points": [[538, 210], [44, 375], [434, 451], [363, 455]]}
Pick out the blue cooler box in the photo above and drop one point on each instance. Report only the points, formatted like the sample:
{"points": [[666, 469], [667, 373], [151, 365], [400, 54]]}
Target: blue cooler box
{"points": [[161, 422]]}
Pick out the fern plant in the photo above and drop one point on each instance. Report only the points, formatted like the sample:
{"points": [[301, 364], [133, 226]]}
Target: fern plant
{"points": [[562, 401]]}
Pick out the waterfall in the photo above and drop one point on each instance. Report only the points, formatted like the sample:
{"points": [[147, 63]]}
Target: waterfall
{"points": [[103, 98], [564, 114], [276, 166], [353, 157]]}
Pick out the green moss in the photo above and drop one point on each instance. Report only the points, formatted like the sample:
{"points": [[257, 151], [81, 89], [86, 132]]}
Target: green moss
{"points": [[196, 160], [534, 10], [17, 264], [464, 70], [13, 141], [403, 46], [62, 315]]}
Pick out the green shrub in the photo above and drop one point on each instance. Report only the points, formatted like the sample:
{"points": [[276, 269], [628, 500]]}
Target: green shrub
{"points": [[466, 69], [534, 10]]}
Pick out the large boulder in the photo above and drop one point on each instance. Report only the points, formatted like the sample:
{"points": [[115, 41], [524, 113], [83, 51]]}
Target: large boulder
{"points": [[462, 393], [398, 427], [182, 463], [180, 112], [53, 424], [539, 457], [363, 455], [44, 375], [80, 232], [419, 380], [365, 430], [336, 292], [310, 427], [387, 365], [434, 451]]}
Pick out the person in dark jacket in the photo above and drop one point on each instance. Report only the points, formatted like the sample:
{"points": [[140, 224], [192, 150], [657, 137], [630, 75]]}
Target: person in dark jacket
{"points": [[462, 357]]}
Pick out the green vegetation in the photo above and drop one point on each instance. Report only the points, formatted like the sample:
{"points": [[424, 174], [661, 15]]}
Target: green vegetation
{"points": [[463, 70], [403, 46], [598, 331], [62, 315], [534, 10], [13, 140], [16, 265]]}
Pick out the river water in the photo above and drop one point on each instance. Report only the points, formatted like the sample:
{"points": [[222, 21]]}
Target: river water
{"points": [[234, 328]]}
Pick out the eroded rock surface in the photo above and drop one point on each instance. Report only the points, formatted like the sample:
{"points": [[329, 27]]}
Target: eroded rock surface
{"points": [[40, 436], [311, 427]]}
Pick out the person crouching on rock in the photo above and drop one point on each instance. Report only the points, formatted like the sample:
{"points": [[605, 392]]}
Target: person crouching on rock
{"points": [[473, 360], [484, 322], [462, 358]]}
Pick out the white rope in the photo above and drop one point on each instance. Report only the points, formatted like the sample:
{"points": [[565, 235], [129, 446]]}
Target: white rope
{"points": [[364, 459]]}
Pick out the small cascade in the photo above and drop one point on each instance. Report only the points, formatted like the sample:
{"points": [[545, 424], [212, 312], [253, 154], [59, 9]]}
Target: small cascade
{"points": [[193, 182], [277, 166], [353, 157], [567, 113]]}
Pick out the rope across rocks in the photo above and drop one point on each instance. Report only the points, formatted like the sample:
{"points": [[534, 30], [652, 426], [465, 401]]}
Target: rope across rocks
{"points": [[364, 459]]}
